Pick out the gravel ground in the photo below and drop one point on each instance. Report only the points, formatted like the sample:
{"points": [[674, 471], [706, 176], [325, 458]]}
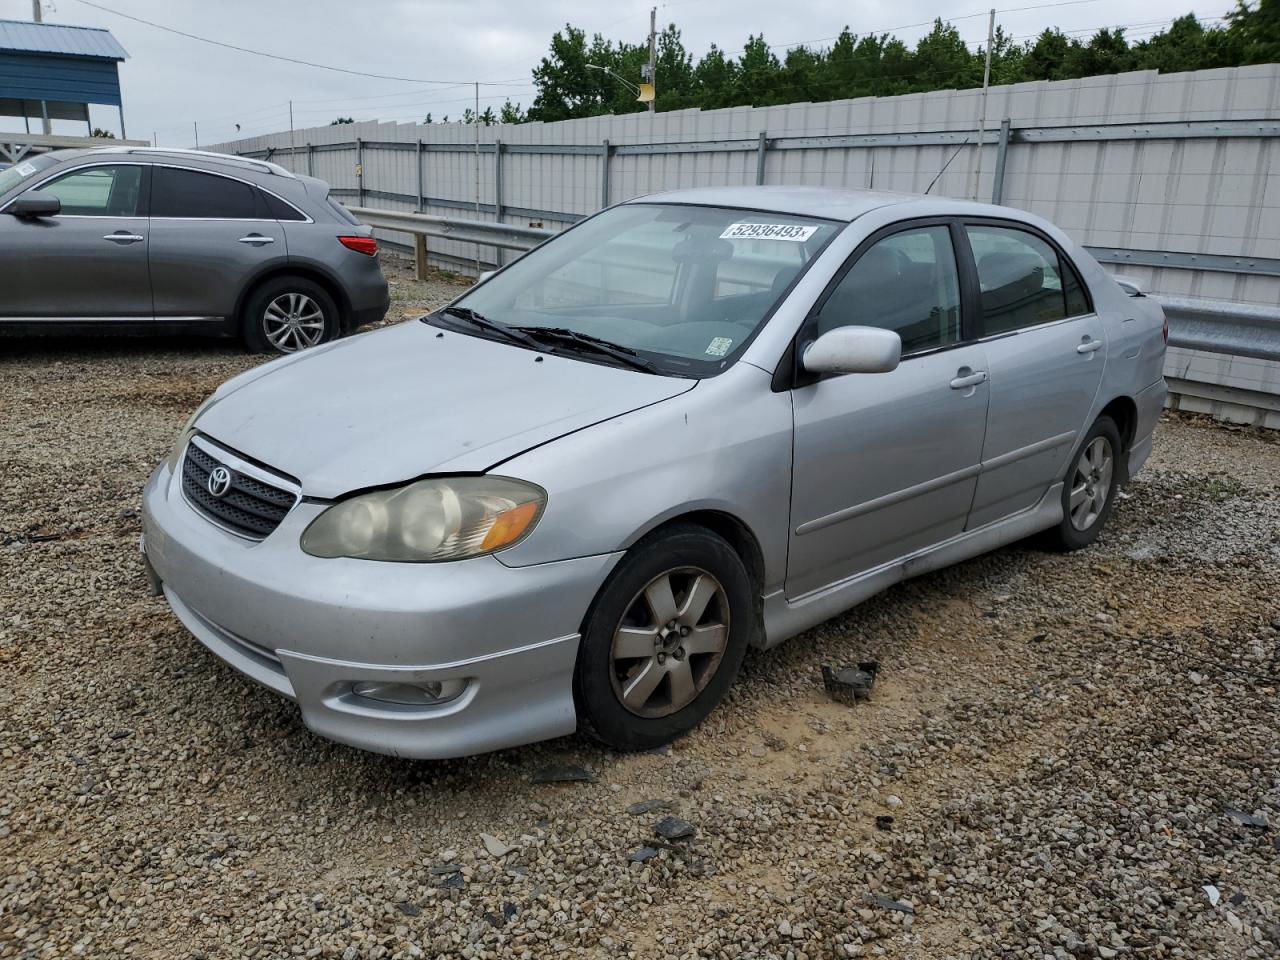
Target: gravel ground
{"points": [[1060, 753]]}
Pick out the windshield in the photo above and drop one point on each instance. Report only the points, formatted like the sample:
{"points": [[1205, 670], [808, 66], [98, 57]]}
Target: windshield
{"points": [[685, 287], [24, 170]]}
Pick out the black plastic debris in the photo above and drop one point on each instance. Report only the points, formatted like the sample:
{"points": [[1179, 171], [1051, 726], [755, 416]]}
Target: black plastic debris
{"points": [[884, 903], [884, 822], [673, 828], [851, 684], [643, 854], [561, 773], [453, 882], [409, 909], [1246, 819]]}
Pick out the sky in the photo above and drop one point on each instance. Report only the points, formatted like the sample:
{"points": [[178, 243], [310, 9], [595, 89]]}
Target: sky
{"points": [[438, 48]]}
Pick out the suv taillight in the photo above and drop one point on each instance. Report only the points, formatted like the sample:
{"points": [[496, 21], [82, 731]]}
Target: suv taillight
{"points": [[365, 245]]}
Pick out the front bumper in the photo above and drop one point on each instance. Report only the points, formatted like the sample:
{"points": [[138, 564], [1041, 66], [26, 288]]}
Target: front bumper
{"points": [[308, 628]]}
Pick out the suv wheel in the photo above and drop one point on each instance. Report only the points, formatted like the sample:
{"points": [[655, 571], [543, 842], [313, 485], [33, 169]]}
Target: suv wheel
{"points": [[664, 639], [289, 314]]}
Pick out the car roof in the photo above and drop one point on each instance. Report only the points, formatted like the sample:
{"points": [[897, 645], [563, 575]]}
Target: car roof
{"points": [[247, 164], [830, 203]]}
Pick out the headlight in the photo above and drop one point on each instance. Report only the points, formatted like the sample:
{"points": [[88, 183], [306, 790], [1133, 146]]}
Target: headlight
{"points": [[180, 442], [449, 518]]}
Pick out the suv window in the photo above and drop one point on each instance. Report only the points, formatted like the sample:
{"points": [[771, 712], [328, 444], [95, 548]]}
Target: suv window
{"points": [[1021, 278], [191, 194], [106, 191], [279, 210], [906, 282]]}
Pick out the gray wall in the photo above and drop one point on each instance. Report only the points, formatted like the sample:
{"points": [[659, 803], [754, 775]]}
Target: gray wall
{"points": [[1173, 179]]}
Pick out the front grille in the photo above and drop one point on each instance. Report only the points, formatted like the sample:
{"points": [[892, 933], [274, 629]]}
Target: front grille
{"points": [[250, 508]]}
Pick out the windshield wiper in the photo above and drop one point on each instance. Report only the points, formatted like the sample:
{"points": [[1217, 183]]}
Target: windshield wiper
{"points": [[494, 326], [572, 338]]}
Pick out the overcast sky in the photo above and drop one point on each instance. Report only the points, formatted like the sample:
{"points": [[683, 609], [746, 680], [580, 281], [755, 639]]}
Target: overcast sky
{"points": [[170, 81]]}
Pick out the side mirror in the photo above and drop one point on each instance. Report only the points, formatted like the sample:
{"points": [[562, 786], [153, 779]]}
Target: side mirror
{"points": [[854, 350], [33, 204]]}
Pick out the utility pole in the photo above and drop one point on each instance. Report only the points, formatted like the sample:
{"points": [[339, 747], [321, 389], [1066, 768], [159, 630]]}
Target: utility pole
{"points": [[653, 56], [982, 120], [37, 13], [292, 147], [196, 127]]}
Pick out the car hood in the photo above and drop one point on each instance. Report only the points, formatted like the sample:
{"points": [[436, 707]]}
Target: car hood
{"points": [[395, 404]]}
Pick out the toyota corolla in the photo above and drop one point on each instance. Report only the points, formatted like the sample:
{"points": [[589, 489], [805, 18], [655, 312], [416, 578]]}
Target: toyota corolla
{"points": [[692, 424]]}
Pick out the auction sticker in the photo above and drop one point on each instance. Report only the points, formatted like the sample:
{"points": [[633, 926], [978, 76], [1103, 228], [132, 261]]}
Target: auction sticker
{"points": [[719, 346], [768, 231]]}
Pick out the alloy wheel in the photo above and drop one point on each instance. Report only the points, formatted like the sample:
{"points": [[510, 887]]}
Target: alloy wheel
{"points": [[1091, 483], [293, 322], [670, 642]]}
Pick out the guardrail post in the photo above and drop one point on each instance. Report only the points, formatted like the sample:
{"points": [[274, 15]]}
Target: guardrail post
{"points": [[605, 151], [1002, 151], [420, 256], [418, 168], [360, 170], [761, 150]]}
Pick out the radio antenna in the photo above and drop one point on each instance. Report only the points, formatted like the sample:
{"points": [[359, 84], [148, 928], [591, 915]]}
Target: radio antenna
{"points": [[945, 165]]}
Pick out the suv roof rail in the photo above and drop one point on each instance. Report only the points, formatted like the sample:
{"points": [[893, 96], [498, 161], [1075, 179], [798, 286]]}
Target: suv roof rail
{"points": [[265, 166]]}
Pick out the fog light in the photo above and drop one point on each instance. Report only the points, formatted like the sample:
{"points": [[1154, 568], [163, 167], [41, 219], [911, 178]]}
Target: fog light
{"points": [[409, 694]]}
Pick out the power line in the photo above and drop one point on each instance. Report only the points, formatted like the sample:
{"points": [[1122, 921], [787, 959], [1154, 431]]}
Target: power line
{"points": [[263, 53]]}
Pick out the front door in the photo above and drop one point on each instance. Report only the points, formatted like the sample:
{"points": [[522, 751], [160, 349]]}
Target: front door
{"points": [[209, 235], [886, 464], [89, 261], [1046, 349]]}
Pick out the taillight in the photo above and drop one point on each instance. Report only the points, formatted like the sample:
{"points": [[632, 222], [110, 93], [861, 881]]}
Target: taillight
{"points": [[1166, 331], [365, 245]]}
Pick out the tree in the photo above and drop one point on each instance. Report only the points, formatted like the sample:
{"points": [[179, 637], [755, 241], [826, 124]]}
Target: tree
{"points": [[511, 113], [1256, 28], [427, 118], [102, 134], [341, 120], [943, 60]]}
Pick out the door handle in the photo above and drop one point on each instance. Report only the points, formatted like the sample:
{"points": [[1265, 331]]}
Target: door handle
{"points": [[1089, 346], [121, 237], [255, 239], [969, 380]]}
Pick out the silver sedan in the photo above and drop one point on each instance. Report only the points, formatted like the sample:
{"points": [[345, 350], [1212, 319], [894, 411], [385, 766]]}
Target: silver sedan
{"points": [[691, 424]]}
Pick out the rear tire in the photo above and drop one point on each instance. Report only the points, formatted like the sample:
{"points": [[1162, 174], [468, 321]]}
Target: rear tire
{"points": [[663, 640], [1089, 489], [288, 314]]}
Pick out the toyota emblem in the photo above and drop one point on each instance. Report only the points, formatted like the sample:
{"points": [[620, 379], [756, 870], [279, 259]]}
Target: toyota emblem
{"points": [[219, 481]]}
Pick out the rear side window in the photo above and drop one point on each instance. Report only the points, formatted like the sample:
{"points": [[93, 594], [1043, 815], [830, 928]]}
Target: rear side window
{"points": [[190, 194], [106, 191], [1023, 280], [906, 282], [277, 209]]}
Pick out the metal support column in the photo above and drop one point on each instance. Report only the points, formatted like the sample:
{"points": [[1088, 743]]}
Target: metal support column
{"points": [[418, 168], [123, 135], [360, 170], [605, 152], [311, 159], [761, 151], [1002, 151], [499, 257]]}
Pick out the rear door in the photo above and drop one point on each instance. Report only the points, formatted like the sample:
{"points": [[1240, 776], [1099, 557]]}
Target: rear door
{"points": [[886, 464], [210, 233], [1046, 349], [90, 261]]}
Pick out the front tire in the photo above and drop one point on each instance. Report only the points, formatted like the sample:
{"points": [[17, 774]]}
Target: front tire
{"points": [[663, 640], [1089, 489], [288, 314]]}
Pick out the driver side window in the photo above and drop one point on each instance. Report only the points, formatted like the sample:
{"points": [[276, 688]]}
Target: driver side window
{"points": [[906, 282], [106, 191]]}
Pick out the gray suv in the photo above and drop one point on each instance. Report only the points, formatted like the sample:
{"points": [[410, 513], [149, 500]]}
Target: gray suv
{"points": [[177, 241]]}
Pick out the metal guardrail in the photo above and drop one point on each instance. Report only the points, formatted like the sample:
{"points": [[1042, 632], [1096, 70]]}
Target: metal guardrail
{"points": [[503, 235], [1218, 326], [1215, 326]]}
